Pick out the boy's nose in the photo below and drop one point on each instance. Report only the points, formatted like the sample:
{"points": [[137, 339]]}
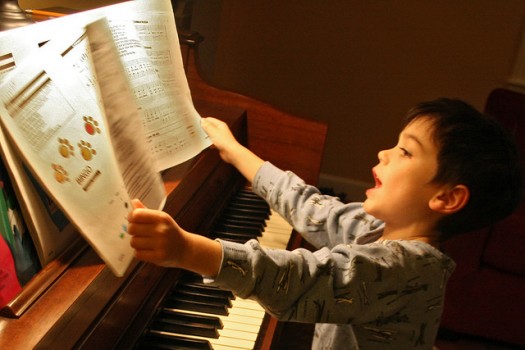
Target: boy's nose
{"points": [[382, 156]]}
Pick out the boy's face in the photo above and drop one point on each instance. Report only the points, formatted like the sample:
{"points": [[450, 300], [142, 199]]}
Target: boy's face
{"points": [[404, 178]]}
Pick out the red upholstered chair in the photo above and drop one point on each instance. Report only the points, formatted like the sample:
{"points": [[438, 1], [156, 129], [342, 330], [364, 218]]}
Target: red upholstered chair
{"points": [[486, 294]]}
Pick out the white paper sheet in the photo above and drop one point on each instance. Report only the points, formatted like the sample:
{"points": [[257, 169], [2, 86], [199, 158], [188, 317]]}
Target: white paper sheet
{"points": [[95, 142]]}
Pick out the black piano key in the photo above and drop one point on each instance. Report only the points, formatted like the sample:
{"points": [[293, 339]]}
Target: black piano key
{"points": [[198, 297], [248, 208], [250, 203], [184, 303], [250, 218], [243, 218], [194, 318], [239, 220], [201, 295], [182, 326], [193, 280], [173, 342], [246, 214], [244, 193], [211, 289], [203, 289], [234, 237], [239, 228]]}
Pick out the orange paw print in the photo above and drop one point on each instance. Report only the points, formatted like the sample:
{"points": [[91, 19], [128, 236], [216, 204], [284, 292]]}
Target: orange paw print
{"points": [[60, 173], [86, 150], [91, 125], [64, 148]]}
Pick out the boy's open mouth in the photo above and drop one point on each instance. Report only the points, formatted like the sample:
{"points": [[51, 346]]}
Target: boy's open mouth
{"points": [[376, 179]]}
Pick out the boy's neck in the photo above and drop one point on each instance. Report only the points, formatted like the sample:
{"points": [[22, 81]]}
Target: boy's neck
{"points": [[426, 235]]}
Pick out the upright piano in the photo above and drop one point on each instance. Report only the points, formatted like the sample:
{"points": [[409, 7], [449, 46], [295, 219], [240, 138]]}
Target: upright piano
{"points": [[75, 302]]}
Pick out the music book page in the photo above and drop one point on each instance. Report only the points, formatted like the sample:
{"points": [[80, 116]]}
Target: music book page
{"points": [[96, 141]]}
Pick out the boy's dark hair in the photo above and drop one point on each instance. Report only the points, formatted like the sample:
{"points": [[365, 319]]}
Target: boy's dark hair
{"points": [[475, 151]]}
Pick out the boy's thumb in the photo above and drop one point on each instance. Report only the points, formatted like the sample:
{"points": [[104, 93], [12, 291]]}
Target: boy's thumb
{"points": [[137, 203]]}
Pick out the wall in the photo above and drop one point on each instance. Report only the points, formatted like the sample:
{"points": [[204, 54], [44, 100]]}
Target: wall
{"points": [[359, 65], [356, 65]]}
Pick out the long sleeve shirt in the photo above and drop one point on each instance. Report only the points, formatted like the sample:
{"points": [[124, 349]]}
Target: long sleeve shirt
{"points": [[361, 293]]}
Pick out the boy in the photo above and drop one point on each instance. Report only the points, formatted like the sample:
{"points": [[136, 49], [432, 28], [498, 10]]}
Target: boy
{"points": [[377, 280]]}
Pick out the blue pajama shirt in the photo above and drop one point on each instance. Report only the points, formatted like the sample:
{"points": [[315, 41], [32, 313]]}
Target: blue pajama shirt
{"points": [[361, 294]]}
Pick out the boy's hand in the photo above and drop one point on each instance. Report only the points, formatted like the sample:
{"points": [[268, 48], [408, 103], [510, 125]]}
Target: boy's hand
{"points": [[221, 137], [230, 149], [158, 239]]}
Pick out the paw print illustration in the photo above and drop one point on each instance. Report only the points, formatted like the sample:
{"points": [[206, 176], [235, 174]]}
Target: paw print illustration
{"points": [[86, 150], [64, 148], [91, 125], [124, 231], [60, 173]]}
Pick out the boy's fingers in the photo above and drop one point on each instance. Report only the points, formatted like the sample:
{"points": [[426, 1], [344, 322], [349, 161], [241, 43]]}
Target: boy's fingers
{"points": [[141, 214], [206, 124], [210, 122], [137, 203], [149, 256], [142, 243], [140, 229]]}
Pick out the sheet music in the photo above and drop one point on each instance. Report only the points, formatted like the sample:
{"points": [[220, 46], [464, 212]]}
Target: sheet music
{"points": [[154, 65], [52, 108], [174, 133], [63, 139]]}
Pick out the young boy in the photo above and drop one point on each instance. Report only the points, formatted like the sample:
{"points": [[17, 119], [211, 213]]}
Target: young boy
{"points": [[377, 280]]}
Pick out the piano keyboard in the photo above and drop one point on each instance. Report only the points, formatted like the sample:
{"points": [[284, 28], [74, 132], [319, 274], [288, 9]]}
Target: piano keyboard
{"points": [[198, 316]]}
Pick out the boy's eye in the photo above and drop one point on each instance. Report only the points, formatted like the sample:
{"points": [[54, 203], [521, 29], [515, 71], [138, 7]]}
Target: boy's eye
{"points": [[404, 152]]}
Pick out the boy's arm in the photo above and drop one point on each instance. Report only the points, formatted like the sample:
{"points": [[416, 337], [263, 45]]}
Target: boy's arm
{"points": [[230, 149], [158, 239]]}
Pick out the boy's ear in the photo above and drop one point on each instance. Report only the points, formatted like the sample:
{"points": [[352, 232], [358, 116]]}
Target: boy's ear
{"points": [[450, 200]]}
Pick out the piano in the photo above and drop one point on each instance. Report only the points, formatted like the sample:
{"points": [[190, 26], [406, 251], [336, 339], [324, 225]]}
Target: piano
{"points": [[75, 302]]}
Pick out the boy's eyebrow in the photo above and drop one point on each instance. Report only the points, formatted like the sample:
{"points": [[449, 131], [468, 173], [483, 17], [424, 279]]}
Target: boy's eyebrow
{"points": [[412, 137]]}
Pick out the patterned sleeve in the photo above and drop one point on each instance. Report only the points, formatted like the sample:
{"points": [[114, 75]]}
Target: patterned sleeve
{"points": [[347, 284], [322, 220]]}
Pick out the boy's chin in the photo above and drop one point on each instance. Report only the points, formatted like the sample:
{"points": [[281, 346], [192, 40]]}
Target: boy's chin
{"points": [[368, 206]]}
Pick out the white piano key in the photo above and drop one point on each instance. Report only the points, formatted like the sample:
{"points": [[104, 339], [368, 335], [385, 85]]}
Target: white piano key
{"points": [[239, 325], [223, 342], [276, 233], [240, 318]]}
